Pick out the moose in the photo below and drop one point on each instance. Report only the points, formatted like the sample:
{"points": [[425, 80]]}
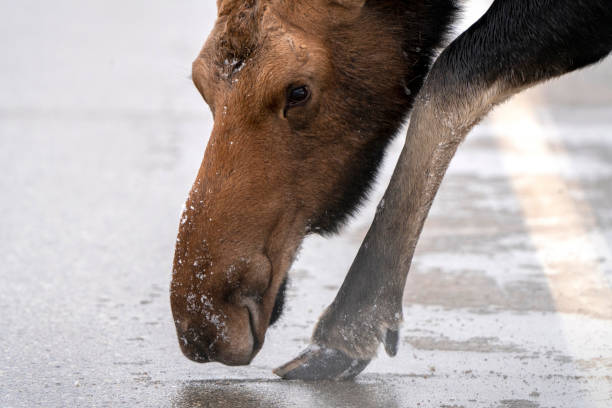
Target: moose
{"points": [[305, 96]]}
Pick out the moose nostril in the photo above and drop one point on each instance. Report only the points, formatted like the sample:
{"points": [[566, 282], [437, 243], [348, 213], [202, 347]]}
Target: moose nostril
{"points": [[200, 356], [192, 346]]}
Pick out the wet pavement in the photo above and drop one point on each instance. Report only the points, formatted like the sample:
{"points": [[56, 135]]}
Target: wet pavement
{"points": [[508, 303]]}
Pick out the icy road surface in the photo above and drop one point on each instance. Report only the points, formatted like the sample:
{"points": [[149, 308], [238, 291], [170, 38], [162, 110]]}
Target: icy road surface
{"points": [[508, 304]]}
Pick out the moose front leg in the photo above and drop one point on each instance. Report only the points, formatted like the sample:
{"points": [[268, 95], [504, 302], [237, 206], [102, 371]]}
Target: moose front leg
{"points": [[368, 307], [514, 45]]}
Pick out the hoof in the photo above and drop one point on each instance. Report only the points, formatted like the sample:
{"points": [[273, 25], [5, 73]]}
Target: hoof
{"points": [[321, 363]]}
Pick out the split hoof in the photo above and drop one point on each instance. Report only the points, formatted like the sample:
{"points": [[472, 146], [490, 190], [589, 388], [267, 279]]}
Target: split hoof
{"points": [[321, 363]]}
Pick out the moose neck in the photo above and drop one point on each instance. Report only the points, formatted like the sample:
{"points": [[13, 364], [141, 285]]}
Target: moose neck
{"points": [[383, 59]]}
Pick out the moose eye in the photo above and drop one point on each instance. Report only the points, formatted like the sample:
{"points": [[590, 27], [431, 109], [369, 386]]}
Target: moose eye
{"points": [[297, 96]]}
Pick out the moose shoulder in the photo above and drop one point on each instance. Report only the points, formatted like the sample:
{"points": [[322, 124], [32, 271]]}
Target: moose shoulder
{"points": [[306, 96]]}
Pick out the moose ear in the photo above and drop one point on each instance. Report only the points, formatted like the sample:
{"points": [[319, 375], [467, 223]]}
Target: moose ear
{"points": [[349, 4]]}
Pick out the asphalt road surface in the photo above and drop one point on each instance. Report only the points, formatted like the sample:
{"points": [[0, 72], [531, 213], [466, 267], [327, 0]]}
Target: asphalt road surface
{"points": [[508, 303]]}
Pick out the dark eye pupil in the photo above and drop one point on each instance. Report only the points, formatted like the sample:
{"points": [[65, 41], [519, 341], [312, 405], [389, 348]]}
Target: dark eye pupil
{"points": [[298, 95]]}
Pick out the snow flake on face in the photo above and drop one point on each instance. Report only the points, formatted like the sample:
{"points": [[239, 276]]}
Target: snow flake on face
{"points": [[231, 67], [192, 305], [229, 272], [203, 305], [217, 319], [184, 216], [238, 67], [206, 302]]}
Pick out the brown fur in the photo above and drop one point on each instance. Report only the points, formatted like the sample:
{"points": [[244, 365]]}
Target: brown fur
{"points": [[270, 174]]}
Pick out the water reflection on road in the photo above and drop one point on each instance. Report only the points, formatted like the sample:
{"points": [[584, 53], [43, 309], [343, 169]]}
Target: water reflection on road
{"points": [[278, 393]]}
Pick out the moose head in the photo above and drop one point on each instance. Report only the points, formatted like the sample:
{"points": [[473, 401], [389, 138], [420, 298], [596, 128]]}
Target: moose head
{"points": [[305, 95]]}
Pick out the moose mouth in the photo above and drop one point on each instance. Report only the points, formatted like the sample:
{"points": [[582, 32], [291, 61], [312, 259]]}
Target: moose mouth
{"points": [[254, 316], [253, 324], [279, 302]]}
